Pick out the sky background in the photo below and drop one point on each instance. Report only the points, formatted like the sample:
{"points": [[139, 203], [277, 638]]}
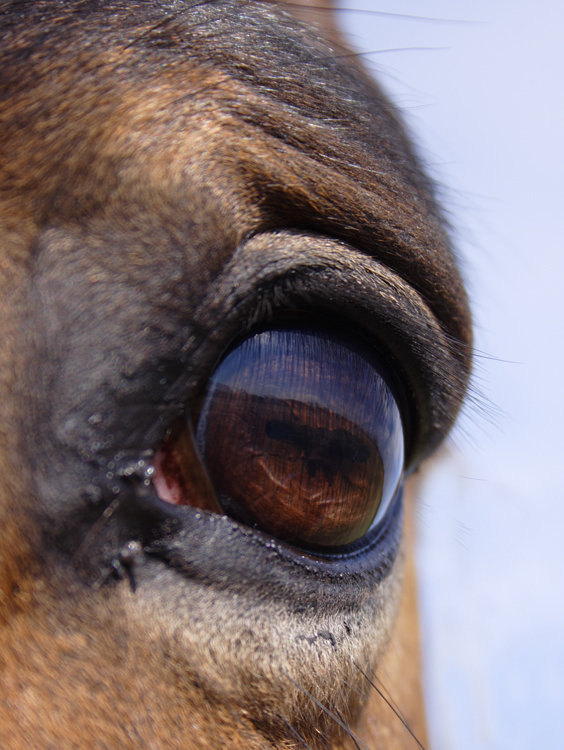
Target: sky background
{"points": [[481, 87]]}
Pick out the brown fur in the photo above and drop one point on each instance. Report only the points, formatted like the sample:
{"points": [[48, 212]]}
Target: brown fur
{"points": [[169, 176]]}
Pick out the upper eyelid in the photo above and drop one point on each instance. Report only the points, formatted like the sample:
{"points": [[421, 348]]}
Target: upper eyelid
{"points": [[328, 275]]}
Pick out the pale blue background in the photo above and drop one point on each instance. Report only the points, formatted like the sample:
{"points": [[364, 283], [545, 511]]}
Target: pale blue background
{"points": [[484, 93]]}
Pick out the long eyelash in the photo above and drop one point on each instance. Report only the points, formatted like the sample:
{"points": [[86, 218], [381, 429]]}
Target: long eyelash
{"points": [[386, 51], [392, 705], [330, 9]]}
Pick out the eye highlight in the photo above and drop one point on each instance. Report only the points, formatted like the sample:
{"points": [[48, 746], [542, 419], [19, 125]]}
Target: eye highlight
{"points": [[301, 437]]}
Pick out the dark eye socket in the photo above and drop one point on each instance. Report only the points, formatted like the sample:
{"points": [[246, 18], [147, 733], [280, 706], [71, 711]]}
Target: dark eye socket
{"points": [[301, 437]]}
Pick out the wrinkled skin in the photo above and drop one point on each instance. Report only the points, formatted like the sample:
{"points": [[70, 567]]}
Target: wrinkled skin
{"points": [[173, 174]]}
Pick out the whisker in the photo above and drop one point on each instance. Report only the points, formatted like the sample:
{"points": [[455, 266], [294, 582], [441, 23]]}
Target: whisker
{"points": [[341, 717], [102, 520], [392, 705], [295, 733], [327, 711]]}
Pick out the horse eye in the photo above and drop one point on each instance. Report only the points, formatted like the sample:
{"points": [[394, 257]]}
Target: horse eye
{"points": [[301, 437]]}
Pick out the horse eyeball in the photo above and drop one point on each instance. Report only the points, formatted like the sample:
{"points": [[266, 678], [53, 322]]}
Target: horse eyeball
{"points": [[301, 437]]}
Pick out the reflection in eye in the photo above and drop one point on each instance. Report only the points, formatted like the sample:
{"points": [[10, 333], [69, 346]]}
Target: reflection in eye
{"points": [[301, 437]]}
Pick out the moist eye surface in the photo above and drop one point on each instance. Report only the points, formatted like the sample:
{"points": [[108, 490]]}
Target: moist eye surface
{"points": [[302, 437]]}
